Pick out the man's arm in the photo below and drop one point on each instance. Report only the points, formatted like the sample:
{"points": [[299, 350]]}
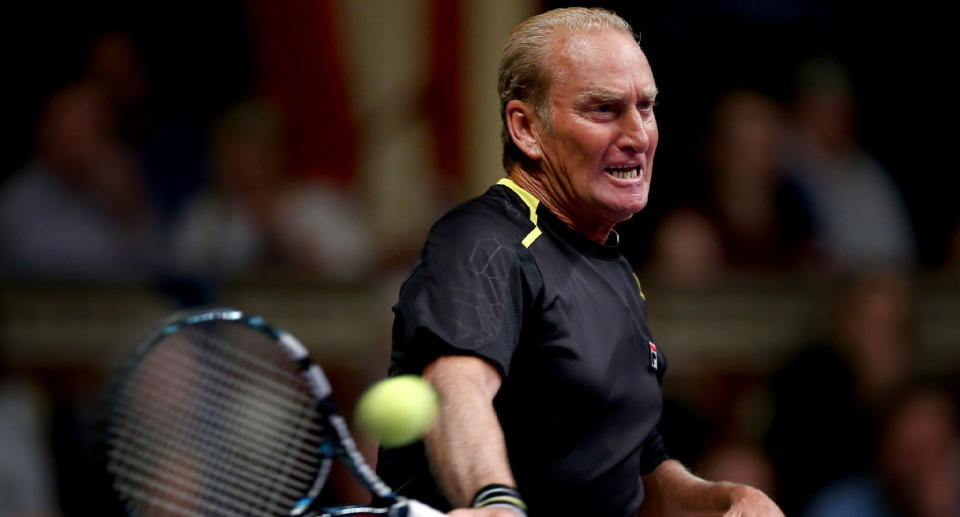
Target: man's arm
{"points": [[466, 447], [671, 490]]}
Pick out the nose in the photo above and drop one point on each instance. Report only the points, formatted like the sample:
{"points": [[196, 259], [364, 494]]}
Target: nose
{"points": [[634, 135]]}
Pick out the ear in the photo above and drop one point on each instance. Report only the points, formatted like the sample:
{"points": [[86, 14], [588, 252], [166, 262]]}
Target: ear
{"points": [[521, 122]]}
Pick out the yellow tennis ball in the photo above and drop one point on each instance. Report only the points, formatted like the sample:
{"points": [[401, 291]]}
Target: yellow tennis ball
{"points": [[398, 410]]}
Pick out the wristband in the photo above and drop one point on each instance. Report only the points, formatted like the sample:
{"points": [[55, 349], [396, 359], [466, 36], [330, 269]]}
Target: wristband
{"points": [[503, 496]]}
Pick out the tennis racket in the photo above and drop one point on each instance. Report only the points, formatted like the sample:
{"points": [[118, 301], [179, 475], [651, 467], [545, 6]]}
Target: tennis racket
{"points": [[220, 414]]}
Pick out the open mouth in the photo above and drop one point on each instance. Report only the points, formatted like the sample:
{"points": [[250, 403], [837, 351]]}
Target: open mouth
{"points": [[626, 172]]}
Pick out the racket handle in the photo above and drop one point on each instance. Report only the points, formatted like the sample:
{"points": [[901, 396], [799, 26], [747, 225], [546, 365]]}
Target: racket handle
{"points": [[412, 508]]}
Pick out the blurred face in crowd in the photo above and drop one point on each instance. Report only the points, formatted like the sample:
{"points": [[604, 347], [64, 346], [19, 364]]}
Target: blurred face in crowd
{"points": [[876, 332], [920, 454], [72, 133], [748, 136], [596, 149]]}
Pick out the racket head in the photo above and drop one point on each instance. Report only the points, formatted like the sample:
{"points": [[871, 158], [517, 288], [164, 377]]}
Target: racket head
{"points": [[219, 413]]}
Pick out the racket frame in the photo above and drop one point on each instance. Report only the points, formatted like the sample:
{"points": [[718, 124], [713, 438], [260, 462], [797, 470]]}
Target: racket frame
{"points": [[338, 442]]}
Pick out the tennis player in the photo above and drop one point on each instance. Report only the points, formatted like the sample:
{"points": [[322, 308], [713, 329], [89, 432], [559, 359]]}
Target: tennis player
{"points": [[527, 319]]}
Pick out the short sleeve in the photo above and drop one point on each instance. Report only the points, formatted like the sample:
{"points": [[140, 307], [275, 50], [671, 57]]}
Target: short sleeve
{"points": [[465, 296], [654, 453]]}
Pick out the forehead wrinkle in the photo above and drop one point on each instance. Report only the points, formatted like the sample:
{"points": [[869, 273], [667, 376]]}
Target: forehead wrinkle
{"points": [[569, 52]]}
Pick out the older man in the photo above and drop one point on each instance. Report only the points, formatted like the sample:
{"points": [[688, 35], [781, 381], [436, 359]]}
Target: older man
{"points": [[526, 317]]}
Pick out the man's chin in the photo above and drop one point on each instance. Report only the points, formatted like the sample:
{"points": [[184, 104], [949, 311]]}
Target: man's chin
{"points": [[626, 208], [622, 214]]}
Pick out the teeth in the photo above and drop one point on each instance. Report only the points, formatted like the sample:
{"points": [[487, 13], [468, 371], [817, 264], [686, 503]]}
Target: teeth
{"points": [[624, 172]]}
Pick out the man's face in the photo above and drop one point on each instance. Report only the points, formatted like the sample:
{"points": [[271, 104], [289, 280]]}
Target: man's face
{"points": [[598, 147]]}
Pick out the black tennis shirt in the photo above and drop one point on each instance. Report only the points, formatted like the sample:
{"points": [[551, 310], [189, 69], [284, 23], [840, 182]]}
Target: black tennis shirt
{"points": [[564, 321]]}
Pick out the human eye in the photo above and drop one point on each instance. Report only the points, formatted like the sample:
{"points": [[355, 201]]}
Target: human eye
{"points": [[647, 105], [601, 107], [604, 110]]}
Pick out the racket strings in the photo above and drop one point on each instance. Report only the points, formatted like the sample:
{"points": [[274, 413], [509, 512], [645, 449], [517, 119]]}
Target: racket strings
{"points": [[181, 496], [216, 385], [207, 427], [232, 358], [148, 443], [215, 458], [165, 417]]}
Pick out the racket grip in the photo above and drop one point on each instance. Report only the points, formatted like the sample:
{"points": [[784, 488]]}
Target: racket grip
{"points": [[412, 508]]}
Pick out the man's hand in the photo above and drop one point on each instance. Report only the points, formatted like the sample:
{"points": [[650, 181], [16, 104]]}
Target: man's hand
{"points": [[750, 502]]}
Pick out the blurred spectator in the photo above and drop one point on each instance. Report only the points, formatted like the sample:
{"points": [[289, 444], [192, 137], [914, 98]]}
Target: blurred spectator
{"points": [[79, 208], [115, 66], [920, 456], [828, 397], [860, 218], [747, 216], [253, 216], [167, 145], [687, 248], [917, 467], [27, 487], [760, 216]]}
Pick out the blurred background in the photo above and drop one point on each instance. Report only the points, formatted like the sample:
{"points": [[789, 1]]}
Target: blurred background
{"points": [[800, 252]]}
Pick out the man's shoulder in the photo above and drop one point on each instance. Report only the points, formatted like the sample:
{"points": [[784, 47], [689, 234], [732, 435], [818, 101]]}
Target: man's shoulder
{"points": [[498, 214]]}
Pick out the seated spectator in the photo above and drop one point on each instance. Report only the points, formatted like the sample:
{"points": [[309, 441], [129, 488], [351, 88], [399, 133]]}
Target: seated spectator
{"points": [[687, 249], [828, 397], [252, 216], [745, 215], [860, 218], [78, 209], [116, 66], [157, 126], [759, 214], [917, 467], [27, 480]]}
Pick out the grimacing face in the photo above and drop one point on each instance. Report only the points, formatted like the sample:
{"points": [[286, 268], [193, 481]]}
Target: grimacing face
{"points": [[596, 154]]}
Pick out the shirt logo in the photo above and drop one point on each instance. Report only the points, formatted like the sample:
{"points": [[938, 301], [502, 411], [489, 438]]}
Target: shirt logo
{"points": [[653, 355]]}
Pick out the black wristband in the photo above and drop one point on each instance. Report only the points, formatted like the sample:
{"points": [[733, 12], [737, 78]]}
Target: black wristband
{"points": [[500, 496]]}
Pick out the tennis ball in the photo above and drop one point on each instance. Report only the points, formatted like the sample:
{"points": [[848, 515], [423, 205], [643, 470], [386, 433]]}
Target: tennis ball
{"points": [[398, 410]]}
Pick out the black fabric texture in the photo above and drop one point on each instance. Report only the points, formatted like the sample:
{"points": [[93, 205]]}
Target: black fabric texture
{"points": [[564, 322]]}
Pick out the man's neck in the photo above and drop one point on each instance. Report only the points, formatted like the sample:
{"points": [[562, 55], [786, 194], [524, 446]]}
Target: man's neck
{"points": [[532, 184]]}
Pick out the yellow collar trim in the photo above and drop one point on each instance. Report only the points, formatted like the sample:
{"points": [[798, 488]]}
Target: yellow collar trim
{"points": [[531, 202]]}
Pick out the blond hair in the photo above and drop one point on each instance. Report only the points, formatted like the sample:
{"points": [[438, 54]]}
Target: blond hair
{"points": [[523, 74]]}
